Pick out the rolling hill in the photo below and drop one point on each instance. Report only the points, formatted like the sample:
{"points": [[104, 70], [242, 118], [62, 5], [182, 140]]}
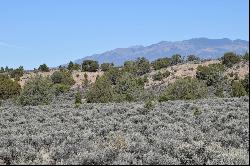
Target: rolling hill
{"points": [[202, 47]]}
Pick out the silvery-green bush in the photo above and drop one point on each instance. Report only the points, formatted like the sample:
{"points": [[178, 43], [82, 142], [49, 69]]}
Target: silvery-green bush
{"points": [[172, 133]]}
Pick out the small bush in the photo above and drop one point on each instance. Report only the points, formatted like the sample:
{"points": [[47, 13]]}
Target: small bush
{"points": [[161, 63], [238, 89], [62, 77], [106, 66], [142, 66], [236, 76], [113, 74], [78, 98], [129, 67], [60, 89], [2, 70], [90, 66], [175, 59], [158, 76], [150, 104], [37, 91], [17, 73], [230, 58], [246, 56], [212, 73], [166, 74], [197, 111], [85, 81], [193, 58], [73, 66], [185, 89], [231, 74], [43, 68], [8, 87], [145, 79], [219, 92], [139, 67], [127, 88], [101, 91], [142, 80], [245, 83]]}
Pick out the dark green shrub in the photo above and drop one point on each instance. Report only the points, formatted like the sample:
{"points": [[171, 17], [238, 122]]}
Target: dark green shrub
{"points": [[219, 92], [158, 76], [127, 88], [166, 74], [7, 69], [57, 77], [85, 81], [73, 66], [106, 66], [142, 80], [236, 76], [185, 89], [78, 98], [8, 87], [37, 91], [17, 73], [145, 79], [245, 83], [161, 63], [231, 74], [101, 91], [90, 66], [193, 58], [62, 77], [70, 65], [191, 69], [246, 56], [60, 89], [212, 73], [139, 67], [129, 67], [76, 67], [238, 89], [142, 66], [230, 58], [175, 59], [2, 70], [43, 68], [150, 104], [113, 74]]}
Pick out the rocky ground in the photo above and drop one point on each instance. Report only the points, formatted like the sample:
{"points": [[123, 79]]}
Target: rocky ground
{"points": [[209, 131]]}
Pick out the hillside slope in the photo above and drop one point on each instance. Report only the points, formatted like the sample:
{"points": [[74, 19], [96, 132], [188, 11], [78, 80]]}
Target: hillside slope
{"points": [[177, 71]]}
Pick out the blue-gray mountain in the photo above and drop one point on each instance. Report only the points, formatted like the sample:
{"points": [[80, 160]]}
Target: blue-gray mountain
{"points": [[202, 47]]}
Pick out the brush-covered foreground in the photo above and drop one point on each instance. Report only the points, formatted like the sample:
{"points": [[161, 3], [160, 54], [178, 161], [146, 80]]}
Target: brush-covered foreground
{"points": [[210, 131]]}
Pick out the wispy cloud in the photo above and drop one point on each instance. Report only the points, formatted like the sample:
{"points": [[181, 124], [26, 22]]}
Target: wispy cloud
{"points": [[5, 44]]}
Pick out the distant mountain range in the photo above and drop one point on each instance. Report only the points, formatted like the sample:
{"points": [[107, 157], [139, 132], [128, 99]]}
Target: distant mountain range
{"points": [[202, 47]]}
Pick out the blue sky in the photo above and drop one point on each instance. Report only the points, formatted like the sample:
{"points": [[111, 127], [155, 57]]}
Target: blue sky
{"points": [[54, 32]]}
